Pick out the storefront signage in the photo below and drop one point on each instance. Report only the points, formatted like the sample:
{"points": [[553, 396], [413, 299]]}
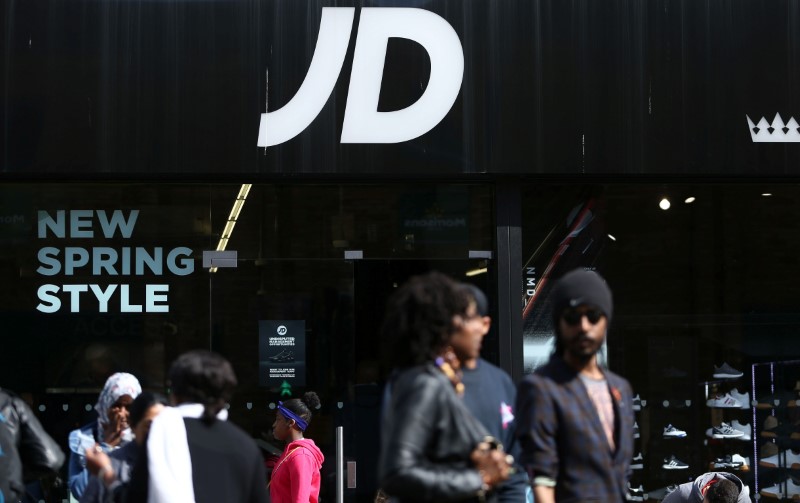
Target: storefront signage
{"points": [[282, 353], [363, 123], [399, 88], [102, 261], [775, 132]]}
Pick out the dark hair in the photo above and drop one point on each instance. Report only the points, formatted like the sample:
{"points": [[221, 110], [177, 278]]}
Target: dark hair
{"points": [[203, 377], [419, 318], [142, 404], [303, 406], [724, 491], [477, 295]]}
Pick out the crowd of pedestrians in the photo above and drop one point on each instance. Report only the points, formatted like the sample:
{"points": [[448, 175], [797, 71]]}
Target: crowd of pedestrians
{"points": [[454, 427]]}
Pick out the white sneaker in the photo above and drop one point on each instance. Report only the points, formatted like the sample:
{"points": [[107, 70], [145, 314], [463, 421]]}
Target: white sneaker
{"points": [[673, 432], [635, 493], [742, 398], [775, 461], [744, 428], [775, 491], [725, 401], [792, 489], [638, 403], [637, 462], [636, 430], [793, 460], [745, 462]]}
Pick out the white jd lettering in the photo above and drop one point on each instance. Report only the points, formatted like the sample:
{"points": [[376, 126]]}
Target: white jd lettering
{"points": [[362, 121]]}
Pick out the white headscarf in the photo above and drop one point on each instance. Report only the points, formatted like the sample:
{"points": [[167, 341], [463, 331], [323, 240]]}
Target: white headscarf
{"points": [[118, 385]]}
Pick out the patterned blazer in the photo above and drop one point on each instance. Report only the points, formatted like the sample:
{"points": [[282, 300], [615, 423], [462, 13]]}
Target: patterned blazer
{"points": [[562, 438]]}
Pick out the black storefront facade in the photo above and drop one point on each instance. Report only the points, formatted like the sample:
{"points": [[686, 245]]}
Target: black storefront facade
{"points": [[502, 143]]}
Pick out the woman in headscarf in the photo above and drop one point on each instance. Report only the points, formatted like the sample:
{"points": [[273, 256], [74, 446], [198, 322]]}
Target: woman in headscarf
{"points": [[110, 430]]}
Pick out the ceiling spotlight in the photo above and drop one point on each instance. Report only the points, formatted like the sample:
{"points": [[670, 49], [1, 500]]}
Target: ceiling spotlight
{"points": [[767, 194], [664, 204], [689, 200], [612, 238]]}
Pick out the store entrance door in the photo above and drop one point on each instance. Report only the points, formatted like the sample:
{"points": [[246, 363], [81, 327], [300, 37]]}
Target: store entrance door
{"points": [[374, 281], [292, 326]]}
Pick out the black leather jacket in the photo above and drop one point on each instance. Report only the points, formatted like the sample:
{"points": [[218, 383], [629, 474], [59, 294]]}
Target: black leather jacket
{"points": [[427, 438], [26, 447]]}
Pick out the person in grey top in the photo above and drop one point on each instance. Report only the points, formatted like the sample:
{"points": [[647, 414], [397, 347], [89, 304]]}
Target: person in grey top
{"points": [[711, 487], [112, 472]]}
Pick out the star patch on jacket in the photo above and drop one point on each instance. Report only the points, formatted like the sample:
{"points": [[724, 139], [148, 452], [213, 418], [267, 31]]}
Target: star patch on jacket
{"points": [[506, 414]]}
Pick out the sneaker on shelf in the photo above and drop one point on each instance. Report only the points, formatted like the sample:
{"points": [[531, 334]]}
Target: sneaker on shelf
{"points": [[637, 462], [636, 430], [775, 491], [724, 463], [725, 401], [673, 432], [725, 371], [724, 430], [742, 462], [793, 459], [744, 428], [792, 490], [638, 403], [775, 461], [673, 463], [742, 398], [731, 462], [635, 493]]}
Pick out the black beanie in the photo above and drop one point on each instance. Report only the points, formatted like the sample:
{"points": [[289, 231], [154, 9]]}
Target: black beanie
{"points": [[581, 287]]}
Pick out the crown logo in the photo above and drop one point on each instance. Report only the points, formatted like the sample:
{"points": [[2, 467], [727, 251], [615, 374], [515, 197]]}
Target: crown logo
{"points": [[777, 132]]}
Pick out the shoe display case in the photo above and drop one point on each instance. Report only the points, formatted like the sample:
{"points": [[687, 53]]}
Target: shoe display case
{"points": [[776, 416], [728, 439], [685, 430]]}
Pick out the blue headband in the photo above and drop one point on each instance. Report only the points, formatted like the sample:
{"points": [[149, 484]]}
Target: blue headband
{"points": [[301, 423]]}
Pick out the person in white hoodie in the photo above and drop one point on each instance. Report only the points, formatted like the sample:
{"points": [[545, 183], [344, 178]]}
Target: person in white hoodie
{"points": [[711, 487]]}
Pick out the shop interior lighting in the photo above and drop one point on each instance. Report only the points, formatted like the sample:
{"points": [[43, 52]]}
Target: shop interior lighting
{"points": [[238, 204], [664, 204], [612, 238], [475, 272], [767, 194], [689, 200]]}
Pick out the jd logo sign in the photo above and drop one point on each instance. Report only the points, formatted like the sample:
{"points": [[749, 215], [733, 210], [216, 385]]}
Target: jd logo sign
{"points": [[362, 121]]}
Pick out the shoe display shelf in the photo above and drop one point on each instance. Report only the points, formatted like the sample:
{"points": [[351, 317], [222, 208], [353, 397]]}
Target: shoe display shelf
{"points": [[776, 441], [664, 446], [728, 439]]}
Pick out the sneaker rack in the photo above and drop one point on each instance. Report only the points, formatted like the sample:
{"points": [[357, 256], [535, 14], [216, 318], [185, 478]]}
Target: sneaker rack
{"points": [[776, 417], [728, 438]]}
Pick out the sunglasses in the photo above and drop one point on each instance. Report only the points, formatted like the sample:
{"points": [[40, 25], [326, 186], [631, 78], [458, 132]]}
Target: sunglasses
{"points": [[574, 316]]}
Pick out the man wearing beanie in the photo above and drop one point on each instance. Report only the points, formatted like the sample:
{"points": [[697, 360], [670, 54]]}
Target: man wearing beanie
{"points": [[574, 418]]}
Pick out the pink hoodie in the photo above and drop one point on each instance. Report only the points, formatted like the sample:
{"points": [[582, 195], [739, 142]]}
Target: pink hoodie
{"points": [[295, 478]]}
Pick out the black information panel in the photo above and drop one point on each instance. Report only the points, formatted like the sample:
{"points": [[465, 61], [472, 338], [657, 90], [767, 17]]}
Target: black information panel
{"points": [[282, 353]]}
